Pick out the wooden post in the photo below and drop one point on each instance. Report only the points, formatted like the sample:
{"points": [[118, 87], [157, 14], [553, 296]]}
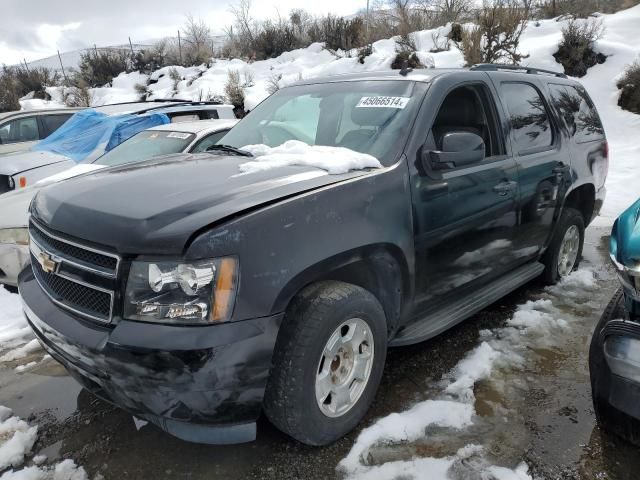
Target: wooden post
{"points": [[131, 45], [62, 67], [179, 47], [25, 64]]}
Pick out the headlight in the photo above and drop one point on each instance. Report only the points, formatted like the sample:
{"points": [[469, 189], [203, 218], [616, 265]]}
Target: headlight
{"points": [[623, 356], [184, 293], [18, 236]]}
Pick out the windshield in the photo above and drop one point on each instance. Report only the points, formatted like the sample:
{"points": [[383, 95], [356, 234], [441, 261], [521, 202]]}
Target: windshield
{"points": [[367, 117], [146, 145]]}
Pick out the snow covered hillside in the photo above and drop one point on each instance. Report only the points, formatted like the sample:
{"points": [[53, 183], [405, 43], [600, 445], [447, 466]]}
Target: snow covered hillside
{"points": [[620, 43]]}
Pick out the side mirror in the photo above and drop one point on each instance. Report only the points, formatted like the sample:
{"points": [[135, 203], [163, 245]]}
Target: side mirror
{"points": [[458, 149]]}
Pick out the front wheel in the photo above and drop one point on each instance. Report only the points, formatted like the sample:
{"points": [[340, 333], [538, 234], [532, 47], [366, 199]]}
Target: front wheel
{"points": [[565, 251], [328, 362]]}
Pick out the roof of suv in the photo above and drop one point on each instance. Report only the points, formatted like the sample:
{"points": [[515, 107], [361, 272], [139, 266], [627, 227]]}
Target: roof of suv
{"points": [[426, 75]]}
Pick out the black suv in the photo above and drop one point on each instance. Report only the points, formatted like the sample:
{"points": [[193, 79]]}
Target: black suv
{"points": [[196, 296]]}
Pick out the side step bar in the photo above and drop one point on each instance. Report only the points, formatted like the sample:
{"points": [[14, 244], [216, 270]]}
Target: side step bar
{"points": [[449, 315]]}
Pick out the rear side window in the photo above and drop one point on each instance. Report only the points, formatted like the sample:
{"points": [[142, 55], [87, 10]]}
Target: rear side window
{"points": [[577, 112], [528, 117], [20, 130], [53, 122]]}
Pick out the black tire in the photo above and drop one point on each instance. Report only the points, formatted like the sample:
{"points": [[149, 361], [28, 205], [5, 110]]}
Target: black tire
{"points": [[608, 417], [569, 217], [290, 401]]}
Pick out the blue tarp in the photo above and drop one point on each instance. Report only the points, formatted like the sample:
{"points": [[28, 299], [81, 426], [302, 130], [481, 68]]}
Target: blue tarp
{"points": [[89, 130]]}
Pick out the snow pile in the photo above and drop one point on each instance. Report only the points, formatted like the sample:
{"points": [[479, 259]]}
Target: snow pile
{"points": [[16, 337], [334, 160], [16, 441], [536, 323]]}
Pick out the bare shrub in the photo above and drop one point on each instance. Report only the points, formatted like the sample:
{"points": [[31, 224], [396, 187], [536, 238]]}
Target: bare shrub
{"points": [[338, 33], [406, 59], [364, 52], [99, 67], [8, 91], [141, 90], [273, 83], [495, 37], [274, 39], [234, 92], [576, 51], [441, 12], [196, 42], [629, 86], [577, 8], [16, 82], [455, 35], [78, 95]]}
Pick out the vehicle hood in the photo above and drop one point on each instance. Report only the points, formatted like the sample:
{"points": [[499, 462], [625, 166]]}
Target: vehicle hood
{"points": [[154, 207], [625, 237], [18, 162], [14, 205]]}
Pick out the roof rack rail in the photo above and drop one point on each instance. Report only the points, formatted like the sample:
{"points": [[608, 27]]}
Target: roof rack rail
{"points": [[493, 67]]}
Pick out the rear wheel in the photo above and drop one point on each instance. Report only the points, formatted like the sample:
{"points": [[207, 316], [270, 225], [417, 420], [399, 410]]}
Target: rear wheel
{"points": [[328, 362], [565, 251]]}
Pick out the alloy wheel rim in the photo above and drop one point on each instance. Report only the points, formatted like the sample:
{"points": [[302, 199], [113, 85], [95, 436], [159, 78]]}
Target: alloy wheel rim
{"points": [[568, 251], [344, 367]]}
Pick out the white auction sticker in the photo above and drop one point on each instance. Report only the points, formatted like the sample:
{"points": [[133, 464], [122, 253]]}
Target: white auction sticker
{"points": [[182, 136], [383, 102]]}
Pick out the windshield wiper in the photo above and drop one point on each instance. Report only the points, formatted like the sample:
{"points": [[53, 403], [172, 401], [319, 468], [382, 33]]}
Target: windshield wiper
{"points": [[229, 149]]}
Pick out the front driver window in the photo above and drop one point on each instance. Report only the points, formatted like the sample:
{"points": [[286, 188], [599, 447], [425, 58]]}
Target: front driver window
{"points": [[468, 109]]}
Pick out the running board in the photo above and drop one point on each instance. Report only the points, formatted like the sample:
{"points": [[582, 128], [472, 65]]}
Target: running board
{"points": [[449, 315]]}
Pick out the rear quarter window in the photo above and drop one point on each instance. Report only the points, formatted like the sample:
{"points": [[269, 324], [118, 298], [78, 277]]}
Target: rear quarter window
{"points": [[528, 116], [578, 112]]}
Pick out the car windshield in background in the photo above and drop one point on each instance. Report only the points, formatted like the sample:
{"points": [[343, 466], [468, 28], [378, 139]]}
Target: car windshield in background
{"points": [[367, 117], [146, 145]]}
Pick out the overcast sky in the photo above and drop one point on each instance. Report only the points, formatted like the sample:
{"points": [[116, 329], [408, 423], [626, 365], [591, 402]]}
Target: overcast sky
{"points": [[34, 29]]}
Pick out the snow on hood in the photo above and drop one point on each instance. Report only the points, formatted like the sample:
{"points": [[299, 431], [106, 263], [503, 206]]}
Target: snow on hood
{"points": [[335, 160]]}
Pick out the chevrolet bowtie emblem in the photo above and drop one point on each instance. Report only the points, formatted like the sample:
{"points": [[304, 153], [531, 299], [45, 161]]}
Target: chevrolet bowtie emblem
{"points": [[48, 264]]}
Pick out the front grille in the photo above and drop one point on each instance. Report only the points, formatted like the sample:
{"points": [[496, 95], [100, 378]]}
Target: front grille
{"points": [[77, 297], [89, 258], [79, 278]]}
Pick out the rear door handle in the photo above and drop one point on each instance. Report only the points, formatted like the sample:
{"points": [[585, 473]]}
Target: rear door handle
{"points": [[505, 187]]}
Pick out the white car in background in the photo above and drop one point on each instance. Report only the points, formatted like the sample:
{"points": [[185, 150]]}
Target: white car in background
{"points": [[186, 137], [21, 130], [93, 131]]}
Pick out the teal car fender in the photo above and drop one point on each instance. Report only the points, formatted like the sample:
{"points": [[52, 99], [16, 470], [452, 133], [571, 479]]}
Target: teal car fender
{"points": [[625, 254]]}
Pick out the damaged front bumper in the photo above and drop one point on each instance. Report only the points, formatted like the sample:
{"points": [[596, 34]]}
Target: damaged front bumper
{"points": [[203, 384]]}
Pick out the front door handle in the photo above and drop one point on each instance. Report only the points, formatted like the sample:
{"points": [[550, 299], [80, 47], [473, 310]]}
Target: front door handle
{"points": [[505, 187]]}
